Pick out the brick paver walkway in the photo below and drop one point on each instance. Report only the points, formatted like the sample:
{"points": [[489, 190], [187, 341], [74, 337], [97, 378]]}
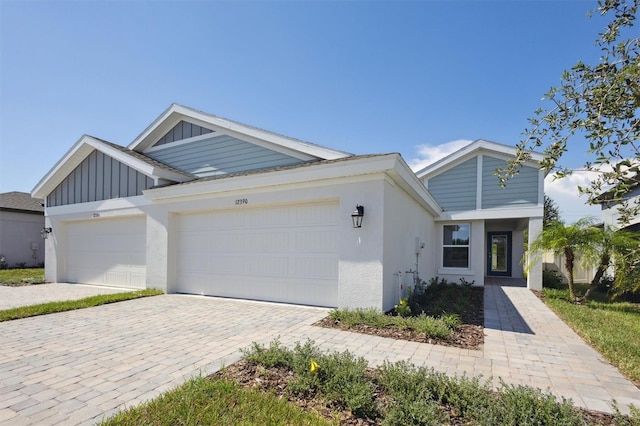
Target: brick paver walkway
{"points": [[81, 366]]}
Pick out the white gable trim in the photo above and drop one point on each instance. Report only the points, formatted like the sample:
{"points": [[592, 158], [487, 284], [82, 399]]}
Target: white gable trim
{"points": [[493, 149], [279, 143], [81, 149]]}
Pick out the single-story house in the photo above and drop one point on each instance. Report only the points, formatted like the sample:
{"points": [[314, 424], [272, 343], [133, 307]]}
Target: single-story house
{"points": [[204, 205], [21, 221]]}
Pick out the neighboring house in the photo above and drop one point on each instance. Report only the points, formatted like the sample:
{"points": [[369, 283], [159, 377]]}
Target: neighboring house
{"points": [[21, 220], [609, 206], [204, 205]]}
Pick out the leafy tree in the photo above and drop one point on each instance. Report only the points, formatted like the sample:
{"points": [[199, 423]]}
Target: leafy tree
{"points": [[551, 211], [598, 103]]}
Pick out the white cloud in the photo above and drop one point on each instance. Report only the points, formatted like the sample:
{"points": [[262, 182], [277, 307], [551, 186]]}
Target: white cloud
{"points": [[564, 192], [428, 154]]}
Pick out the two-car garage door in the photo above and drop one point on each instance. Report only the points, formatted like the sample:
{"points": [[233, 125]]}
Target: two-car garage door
{"points": [[283, 253]]}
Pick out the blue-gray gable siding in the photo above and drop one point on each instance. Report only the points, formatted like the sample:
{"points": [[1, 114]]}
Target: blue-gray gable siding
{"points": [[219, 155], [182, 130], [521, 190], [98, 177], [455, 189]]}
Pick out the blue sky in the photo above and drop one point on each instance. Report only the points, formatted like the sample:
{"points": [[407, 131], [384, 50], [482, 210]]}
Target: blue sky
{"points": [[360, 76]]}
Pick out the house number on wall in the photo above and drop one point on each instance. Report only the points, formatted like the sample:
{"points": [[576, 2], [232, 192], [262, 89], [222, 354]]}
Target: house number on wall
{"points": [[240, 201]]}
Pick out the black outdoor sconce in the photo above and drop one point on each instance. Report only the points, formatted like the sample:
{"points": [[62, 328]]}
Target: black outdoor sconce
{"points": [[45, 233], [357, 216]]}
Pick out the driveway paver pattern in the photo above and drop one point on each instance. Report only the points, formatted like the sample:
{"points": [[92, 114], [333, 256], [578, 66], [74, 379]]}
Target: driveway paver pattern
{"points": [[81, 366]]}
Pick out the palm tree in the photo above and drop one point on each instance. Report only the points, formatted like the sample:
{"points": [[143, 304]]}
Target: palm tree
{"points": [[594, 245], [566, 240], [605, 244]]}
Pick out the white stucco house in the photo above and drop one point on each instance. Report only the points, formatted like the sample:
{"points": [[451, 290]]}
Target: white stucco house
{"points": [[21, 220], [610, 208], [204, 205]]}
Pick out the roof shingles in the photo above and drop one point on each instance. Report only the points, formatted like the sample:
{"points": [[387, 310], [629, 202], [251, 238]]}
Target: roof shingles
{"points": [[23, 201]]}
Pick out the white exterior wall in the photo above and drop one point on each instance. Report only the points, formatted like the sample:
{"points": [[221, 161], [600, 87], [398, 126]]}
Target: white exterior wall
{"points": [[534, 275], [20, 240], [405, 221], [611, 215]]}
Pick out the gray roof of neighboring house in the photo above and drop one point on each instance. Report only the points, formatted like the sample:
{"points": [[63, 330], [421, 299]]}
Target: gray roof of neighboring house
{"points": [[20, 201]]}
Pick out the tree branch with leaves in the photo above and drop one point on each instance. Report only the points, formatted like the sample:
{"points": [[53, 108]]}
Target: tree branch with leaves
{"points": [[598, 104]]}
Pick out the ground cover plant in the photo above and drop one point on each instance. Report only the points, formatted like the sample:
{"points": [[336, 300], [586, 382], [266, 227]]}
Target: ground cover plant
{"points": [[612, 328], [23, 276], [437, 312], [341, 388], [69, 305]]}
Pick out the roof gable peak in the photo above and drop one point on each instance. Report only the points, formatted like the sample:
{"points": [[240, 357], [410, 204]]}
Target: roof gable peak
{"points": [[172, 116]]}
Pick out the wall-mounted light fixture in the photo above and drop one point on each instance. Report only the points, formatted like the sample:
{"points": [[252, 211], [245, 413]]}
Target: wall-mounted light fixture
{"points": [[357, 216], [45, 233]]}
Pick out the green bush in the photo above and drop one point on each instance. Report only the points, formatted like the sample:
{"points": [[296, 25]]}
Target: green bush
{"points": [[275, 355], [551, 279], [339, 377], [524, 406]]}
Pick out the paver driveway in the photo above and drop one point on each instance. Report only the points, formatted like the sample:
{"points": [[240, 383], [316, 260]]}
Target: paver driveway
{"points": [[80, 366]]}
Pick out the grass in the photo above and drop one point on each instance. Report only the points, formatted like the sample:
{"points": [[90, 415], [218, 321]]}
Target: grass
{"points": [[612, 328], [392, 394], [70, 305], [22, 276], [204, 401]]}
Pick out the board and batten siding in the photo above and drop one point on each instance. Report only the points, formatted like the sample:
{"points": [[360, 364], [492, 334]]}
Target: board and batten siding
{"points": [[521, 190], [99, 177], [455, 189], [182, 130], [219, 155]]}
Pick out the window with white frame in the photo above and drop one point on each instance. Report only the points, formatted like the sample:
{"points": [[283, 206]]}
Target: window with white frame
{"points": [[455, 245]]}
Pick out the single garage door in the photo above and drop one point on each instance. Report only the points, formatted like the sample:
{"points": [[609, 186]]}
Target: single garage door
{"points": [[107, 252], [283, 254]]}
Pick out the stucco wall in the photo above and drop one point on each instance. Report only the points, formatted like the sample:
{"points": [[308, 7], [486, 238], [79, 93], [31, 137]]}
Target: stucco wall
{"points": [[20, 240], [405, 221]]}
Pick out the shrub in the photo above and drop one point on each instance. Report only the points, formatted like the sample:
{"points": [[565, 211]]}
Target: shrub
{"points": [[521, 405], [402, 308], [551, 279], [274, 356]]}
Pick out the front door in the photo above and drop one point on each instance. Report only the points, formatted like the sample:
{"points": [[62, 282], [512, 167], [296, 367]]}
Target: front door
{"points": [[499, 253]]}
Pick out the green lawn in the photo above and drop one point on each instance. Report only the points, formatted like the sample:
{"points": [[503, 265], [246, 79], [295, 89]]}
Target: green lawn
{"points": [[612, 328], [18, 276], [69, 305], [204, 401]]}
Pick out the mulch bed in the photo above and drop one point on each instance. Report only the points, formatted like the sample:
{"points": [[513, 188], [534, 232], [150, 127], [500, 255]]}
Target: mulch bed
{"points": [[276, 380], [468, 335]]}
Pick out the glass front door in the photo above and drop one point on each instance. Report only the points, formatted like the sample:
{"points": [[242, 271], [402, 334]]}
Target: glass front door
{"points": [[499, 253]]}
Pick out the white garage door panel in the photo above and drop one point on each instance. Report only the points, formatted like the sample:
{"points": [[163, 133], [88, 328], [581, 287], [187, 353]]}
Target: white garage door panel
{"points": [[107, 252], [284, 254]]}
